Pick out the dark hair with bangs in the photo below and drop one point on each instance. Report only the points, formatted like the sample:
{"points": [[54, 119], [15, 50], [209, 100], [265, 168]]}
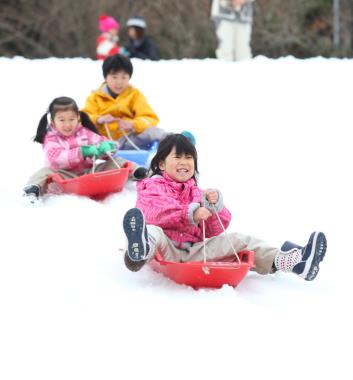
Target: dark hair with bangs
{"points": [[62, 103], [116, 63], [182, 146]]}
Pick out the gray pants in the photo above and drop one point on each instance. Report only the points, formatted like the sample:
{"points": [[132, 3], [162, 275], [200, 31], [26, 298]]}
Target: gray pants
{"points": [[143, 139], [40, 178], [217, 249]]}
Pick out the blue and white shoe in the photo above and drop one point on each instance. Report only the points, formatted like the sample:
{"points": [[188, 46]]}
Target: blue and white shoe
{"points": [[304, 261], [136, 233], [31, 194], [312, 255]]}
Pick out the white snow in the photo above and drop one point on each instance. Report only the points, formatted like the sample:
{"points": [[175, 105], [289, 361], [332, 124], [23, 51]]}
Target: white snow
{"points": [[275, 137]]}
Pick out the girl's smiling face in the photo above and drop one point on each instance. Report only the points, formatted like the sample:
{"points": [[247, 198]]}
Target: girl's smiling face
{"points": [[66, 122], [180, 167]]}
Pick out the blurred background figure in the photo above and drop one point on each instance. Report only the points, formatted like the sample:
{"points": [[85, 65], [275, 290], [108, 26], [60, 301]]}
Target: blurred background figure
{"points": [[139, 44], [233, 22], [107, 42]]}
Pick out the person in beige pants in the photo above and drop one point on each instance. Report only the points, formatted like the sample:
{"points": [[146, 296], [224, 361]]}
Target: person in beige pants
{"points": [[175, 217], [233, 22]]}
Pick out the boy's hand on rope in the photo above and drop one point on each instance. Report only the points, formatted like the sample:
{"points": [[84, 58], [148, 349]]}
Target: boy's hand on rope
{"points": [[125, 125], [201, 214], [212, 196], [106, 147], [89, 151], [108, 118]]}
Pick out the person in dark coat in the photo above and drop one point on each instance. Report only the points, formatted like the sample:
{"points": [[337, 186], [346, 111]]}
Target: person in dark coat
{"points": [[140, 45]]}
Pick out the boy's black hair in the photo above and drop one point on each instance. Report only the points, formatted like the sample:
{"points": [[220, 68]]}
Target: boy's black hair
{"points": [[62, 103], [115, 63], [182, 146]]}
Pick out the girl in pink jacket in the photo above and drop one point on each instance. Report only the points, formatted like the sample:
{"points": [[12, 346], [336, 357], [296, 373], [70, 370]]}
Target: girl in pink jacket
{"points": [[171, 212], [70, 143]]}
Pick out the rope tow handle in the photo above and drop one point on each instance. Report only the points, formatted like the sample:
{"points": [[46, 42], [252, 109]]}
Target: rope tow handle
{"points": [[226, 233], [205, 268], [93, 164], [111, 157], [107, 131]]}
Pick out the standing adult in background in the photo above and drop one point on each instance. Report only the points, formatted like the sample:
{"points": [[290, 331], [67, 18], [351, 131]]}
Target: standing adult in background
{"points": [[139, 45], [233, 22]]}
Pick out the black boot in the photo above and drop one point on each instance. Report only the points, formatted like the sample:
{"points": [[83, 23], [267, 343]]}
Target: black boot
{"points": [[140, 173], [138, 246], [32, 193]]}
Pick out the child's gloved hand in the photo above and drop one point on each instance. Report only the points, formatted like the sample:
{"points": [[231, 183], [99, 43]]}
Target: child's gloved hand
{"points": [[106, 147], [89, 151]]}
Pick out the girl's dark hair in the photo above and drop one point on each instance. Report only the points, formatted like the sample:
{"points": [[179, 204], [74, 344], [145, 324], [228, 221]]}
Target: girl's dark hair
{"points": [[62, 104], [182, 146], [115, 63]]}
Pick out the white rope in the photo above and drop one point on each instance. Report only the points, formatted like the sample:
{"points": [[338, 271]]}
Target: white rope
{"points": [[111, 157], [129, 140], [204, 241], [93, 164], [224, 230], [107, 131]]}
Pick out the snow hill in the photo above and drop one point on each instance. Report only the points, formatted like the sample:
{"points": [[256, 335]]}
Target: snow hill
{"points": [[275, 137]]}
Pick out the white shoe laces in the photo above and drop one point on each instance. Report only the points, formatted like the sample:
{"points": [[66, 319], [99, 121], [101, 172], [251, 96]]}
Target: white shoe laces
{"points": [[285, 261]]}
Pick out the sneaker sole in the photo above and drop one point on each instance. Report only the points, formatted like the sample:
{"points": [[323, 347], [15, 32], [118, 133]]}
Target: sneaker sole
{"points": [[136, 233], [316, 255]]}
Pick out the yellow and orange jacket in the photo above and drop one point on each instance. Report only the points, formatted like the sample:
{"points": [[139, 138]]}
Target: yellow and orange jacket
{"points": [[129, 105]]}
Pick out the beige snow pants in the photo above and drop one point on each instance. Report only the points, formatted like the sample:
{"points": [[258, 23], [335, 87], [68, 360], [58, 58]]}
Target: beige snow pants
{"points": [[233, 41], [217, 249]]}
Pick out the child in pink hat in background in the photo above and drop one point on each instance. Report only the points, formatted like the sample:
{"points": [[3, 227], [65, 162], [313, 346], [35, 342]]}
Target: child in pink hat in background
{"points": [[107, 42]]}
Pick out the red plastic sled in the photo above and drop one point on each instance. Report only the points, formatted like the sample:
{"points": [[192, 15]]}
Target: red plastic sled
{"points": [[205, 275], [94, 185]]}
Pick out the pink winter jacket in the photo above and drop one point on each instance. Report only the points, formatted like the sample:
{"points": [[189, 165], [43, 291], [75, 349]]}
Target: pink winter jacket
{"points": [[170, 205], [64, 152]]}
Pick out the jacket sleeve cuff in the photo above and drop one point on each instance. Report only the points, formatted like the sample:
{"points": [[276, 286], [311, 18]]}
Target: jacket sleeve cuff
{"points": [[218, 206], [192, 208]]}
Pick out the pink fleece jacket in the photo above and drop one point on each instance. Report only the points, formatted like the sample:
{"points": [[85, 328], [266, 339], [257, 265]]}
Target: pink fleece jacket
{"points": [[170, 205], [64, 152]]}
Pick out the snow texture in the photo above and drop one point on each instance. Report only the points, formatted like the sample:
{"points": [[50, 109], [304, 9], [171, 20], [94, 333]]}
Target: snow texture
{"points": [[275, 137]]}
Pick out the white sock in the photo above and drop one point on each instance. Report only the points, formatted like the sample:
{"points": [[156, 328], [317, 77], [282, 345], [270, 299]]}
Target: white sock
{"points": [[285, 261]]}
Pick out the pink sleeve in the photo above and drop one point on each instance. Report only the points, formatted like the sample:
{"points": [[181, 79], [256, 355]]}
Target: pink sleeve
{"points": [[94, 138], [160, 208], [59, 157], [213, 227]]}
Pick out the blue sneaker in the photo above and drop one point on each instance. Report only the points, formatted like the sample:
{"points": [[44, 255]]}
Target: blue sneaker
{"points": [[304, 261], [136, 233], [288, 245], [312, 255]]}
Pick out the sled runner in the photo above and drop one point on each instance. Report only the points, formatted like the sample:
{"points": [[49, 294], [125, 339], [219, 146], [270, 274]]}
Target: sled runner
{"points": [[199, 274], [96, 185]]}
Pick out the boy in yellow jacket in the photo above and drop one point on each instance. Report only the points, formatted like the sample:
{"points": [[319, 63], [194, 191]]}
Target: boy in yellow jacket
{"points": [[120, 111]]}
